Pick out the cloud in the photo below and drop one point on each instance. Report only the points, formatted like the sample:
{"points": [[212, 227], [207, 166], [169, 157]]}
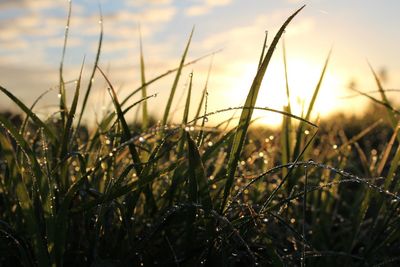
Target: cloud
{"points": [[146, 2], [34, 5], [206, 7]]}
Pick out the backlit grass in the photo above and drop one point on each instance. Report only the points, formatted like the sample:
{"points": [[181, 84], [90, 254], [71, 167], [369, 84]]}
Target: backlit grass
{"points": [[311, 193]]}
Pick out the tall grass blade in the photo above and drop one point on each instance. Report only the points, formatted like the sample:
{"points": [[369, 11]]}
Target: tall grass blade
{"points": [[175, 84], [198, 184], [385, 100], [70, 118], [263, 49], [49, 133], [286, 121], [143, 79], [300, 129], [127, 136], [96, 62], [385, 156], [139, 89], [245, 117], [318, 87], [187, 104], [125, 128], [203, 95], [62, 94]]}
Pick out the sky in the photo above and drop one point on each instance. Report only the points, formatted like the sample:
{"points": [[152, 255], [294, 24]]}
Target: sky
{"points": [[357, 31]]}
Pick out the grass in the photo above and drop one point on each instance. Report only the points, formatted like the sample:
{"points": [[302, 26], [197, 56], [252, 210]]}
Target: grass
{"points": [[187, 195]]}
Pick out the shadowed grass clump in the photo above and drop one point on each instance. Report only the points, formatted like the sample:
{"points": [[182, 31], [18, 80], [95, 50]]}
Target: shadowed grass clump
{"points": [[189, 195]]}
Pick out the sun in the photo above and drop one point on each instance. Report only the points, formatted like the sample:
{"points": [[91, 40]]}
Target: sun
{"points": [[303, 76]]}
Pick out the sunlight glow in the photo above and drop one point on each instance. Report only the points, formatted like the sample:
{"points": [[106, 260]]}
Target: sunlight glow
{"points": [[303, 77]]}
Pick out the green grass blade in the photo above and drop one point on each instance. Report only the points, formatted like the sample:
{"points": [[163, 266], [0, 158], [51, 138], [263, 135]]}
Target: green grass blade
{"points": [[70, 118], [300, 129], [175, 84], [394, 164], [318, 87], [198, 183], [263, 49], [187, 104], [25, 202], [245, 117], [49, 133], [385, 100], [385, 156], [185, 115], [143, 79], [127, 136], [62, 94], [91, 80], [61, 221], [286, 121], [139, 89], [125, 128], [204, 93]]}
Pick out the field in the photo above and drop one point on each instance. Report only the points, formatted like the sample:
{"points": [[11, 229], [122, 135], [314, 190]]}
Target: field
{"points": [[312, 193]]}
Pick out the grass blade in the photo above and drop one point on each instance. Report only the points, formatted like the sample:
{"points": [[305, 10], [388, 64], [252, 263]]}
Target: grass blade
{"points": [[175, 84], [49, 133], [32, 222], [300, 129], [143, 79], [127, 136], [96, 62], [204, 93], [70, 118], [198, 184], [62, 94], [139, 89], [245, 117], [286, 121]]}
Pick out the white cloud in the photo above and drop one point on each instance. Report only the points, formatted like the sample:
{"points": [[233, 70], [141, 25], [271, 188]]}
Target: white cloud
{"points": [[140, 3], [206, 7]]}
